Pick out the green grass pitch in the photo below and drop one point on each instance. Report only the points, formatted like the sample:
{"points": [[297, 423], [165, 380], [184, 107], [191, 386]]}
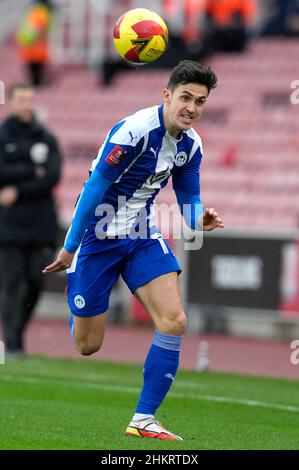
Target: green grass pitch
{"points": [[83, 404]]}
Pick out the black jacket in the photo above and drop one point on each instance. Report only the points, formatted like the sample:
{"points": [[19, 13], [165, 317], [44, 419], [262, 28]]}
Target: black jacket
{"points": [[24, 147]]}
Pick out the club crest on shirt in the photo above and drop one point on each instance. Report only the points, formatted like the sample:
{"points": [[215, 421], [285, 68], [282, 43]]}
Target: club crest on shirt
{"points": [[180, 159], [115, 156]]}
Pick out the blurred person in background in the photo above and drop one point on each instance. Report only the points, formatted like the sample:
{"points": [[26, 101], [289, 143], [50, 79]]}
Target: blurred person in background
{"points": [[32, 39], [184, 19], [227, 25], [30, 164], [282, 18], [200, 28]]}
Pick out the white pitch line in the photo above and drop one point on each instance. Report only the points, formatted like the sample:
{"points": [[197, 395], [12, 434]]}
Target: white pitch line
{"points": [[135, 390], [240, 401]]}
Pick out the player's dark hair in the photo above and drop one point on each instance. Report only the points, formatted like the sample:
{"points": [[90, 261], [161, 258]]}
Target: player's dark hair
{"points": [[189, 71], [19, 86]]}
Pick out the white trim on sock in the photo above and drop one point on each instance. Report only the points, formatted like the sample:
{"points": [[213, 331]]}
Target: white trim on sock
{"points": [[140, 416]]}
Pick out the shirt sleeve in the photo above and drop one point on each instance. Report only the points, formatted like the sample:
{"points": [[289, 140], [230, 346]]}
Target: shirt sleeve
{"points": [[186, 178], [118, 152], [186, 184], [91, 196], [191, 209]]}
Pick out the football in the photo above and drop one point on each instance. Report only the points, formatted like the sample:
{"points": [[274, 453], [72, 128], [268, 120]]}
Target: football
{"points": [[140, 36]]}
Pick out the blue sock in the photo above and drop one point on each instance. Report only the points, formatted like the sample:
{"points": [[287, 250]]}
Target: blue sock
{"points": [[159, 371]]}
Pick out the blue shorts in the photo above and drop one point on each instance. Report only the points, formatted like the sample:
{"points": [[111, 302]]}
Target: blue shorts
{"points": [[97, 266]]}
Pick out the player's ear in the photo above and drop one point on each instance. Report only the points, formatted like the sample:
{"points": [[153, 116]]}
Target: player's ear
{"points": [[167, 95]]}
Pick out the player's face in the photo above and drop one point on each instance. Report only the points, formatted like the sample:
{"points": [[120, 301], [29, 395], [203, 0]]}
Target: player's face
{"points": [[22, 104], [183, 106]]}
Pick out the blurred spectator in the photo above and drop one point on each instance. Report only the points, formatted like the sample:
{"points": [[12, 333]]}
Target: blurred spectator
{"points": [[29, 168], [227, 25], [199, 28], [183, 19], [282, 18], [32, 39], [193, 12]]}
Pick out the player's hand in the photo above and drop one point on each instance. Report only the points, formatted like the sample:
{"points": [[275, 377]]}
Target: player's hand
{"points": [[210, 220], [8, 196], [62, 262]]}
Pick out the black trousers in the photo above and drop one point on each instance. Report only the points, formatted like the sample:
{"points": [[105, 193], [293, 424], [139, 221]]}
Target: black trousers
{"points": [[36, 72], [21, 282]]}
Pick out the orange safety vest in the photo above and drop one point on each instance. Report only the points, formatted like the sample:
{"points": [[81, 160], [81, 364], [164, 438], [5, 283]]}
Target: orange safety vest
{"points": [[32, 36], [223, 10], [192, 10]]}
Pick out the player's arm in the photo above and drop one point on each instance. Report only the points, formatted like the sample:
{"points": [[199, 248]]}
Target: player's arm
{"points": [[191, 208], [195, 215], [91, 196], [186, 183]]}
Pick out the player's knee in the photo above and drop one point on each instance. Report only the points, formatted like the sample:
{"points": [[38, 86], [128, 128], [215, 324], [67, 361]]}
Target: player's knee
{"points": [[180, 324], [174, 323], [88, 346]]}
